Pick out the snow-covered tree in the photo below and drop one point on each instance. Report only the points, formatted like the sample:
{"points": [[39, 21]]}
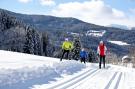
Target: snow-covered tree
{"points": [[92, 56], [132, 55], [29, 44], [112, 58], [33, 41], [45, 43], [76, 48], [38, 43]]}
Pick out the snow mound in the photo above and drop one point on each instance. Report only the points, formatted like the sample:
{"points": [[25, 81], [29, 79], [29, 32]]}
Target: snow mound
{"points": [[20, 71]]}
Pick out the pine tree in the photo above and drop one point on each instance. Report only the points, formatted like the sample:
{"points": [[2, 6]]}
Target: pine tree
{"points": [[39, 43], [77, 48], [29, 44], [35, 42], [92, 56], [45, 42]]}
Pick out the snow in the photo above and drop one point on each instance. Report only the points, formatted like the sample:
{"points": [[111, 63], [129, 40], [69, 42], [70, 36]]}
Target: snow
{"points": [[19, 70], [119, 43], [92, 33], [73, 33], [95, 33], [113, 77], [25, 71], [126, 56]]}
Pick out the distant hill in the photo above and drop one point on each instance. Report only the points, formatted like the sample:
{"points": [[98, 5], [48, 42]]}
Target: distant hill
{"points": [[133, 28], [119, 26]]}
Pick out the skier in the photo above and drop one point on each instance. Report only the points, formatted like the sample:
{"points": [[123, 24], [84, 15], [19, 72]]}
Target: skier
{"points": [[83, 55], [66, 47], [101, 51]]}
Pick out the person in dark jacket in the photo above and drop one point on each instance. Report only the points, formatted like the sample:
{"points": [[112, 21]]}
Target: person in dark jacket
{"points": [[83, 55], [101, 51]]}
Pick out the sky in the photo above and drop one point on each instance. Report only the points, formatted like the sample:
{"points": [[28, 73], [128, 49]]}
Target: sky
{"points": [[100, 12]]}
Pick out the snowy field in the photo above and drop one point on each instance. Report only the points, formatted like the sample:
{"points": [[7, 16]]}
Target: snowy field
{"points": [[24, 71], [119, 43], [95, 33]]}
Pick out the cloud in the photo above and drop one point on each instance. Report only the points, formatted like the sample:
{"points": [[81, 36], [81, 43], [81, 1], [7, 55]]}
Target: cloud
{"points": [[132, 10], [24, 1], [94, 11], [47, 2]]}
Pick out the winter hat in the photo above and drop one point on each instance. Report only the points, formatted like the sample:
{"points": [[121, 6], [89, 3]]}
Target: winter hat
{"points": [[101, 42], [83, 49], [66, 39]]}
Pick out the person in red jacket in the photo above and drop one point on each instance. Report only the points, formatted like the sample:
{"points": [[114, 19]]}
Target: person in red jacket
{"points": [[101, 50]]}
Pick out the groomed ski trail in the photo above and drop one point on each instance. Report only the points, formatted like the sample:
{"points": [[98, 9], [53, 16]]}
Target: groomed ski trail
{"points": [[71, 81], [101, 82], [93, 78], [79, 80]]}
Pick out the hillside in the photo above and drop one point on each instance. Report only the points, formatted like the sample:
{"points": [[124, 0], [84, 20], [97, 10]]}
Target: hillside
{"points": [[59, 28], [15, 35]]}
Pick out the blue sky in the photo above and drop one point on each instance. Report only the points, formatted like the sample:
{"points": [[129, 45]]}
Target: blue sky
{"points": [[101, 12]]}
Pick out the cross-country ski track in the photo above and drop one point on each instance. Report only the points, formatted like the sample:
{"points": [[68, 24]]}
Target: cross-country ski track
{"points": [[79, 82], [112, 77]]}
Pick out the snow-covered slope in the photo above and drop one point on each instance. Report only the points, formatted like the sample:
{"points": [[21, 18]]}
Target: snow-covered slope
{"points": [[119, 43], [95, 33], [24, 71]]}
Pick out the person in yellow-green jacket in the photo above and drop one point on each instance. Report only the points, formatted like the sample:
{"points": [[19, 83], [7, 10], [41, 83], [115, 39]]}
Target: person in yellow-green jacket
{"points": [[66, 47]]}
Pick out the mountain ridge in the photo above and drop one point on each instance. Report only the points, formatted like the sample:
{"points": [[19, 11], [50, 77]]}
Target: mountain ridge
{"points": [[59, 28]]}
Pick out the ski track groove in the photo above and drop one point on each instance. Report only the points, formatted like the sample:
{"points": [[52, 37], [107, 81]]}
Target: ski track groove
{"points": [[118, 81], [90, 71], [80, 79], [80, 82], [69, 83], [112, 79]]}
